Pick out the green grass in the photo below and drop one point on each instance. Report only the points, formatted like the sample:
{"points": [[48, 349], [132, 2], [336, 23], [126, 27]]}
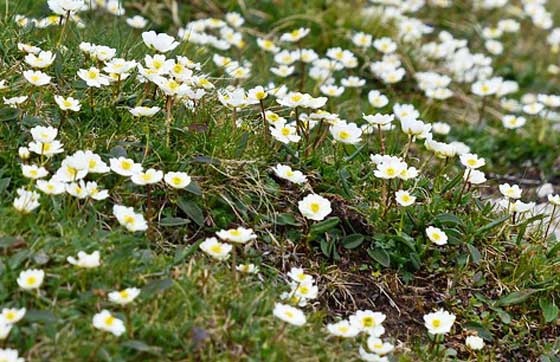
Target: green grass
{"points": [[498, 275]]}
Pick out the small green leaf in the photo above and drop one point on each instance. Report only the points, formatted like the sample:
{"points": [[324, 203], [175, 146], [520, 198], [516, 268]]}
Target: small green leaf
{"points": [[381, 256], [491, 225], [514, 298], [324, 226], [8, 114], [141, 347], [157, 286], [41, 316], [549, 309], [475, 253], [191, 209], [173, 221], [352, 241]]}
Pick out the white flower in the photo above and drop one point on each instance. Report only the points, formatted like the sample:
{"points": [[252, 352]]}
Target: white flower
{"points": [[368, 321], [10, 355], [510, 191], [144, 111], [511, 121], [12, 315], [439, 322], [215, 249], [379, 119], [137, 22], [379, 347], [471, 161], [240, 235], [129, 219], [94, 192], [295, 35], [42, 60], [348, 133], [26, 201], [108, 323], [385, 45], [475, 177], [31, 279], [66, 104], [44, 134], [177, 180], [437, 236], [247, 268], [93, 77], [343, 329], [88, 261], [474, 342], [77, 189], [14, 100], [36, 77], [160, 42], [286, 172], [404, 198], [314, 207], [148, 177], [124, 166], [371, 357], [5, 329], [61, 7], [285, 133], [389, 168], [441, 128], [554, 199], [377, 100], [289, 314], [33, 171], [124, 296], [299, 276]]}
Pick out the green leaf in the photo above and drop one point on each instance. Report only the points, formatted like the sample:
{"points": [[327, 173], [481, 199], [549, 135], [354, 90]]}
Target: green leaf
{"points": [[352, 241], [549, 309], [324, 226], [514, 298], [191, 209], [7, 241], [285, 219], [491, 225], [381, 256], [173, 221], [502, 314], [451, 184], [194, 188], [40, 316], [448, 220], [141, 347], [8, 114], [157, 286], [184, 253], [475, 253]]}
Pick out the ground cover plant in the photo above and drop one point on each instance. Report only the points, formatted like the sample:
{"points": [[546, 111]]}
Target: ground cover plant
{"points": [[279, 180]]}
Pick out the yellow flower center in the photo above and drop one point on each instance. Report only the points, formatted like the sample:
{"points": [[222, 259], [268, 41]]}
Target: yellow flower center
{"points": [[314, 207], [368, 321], [216, 248]]}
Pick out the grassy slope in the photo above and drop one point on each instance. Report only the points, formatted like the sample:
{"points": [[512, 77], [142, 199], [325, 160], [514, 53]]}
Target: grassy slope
{"points": [[191, 309]]}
